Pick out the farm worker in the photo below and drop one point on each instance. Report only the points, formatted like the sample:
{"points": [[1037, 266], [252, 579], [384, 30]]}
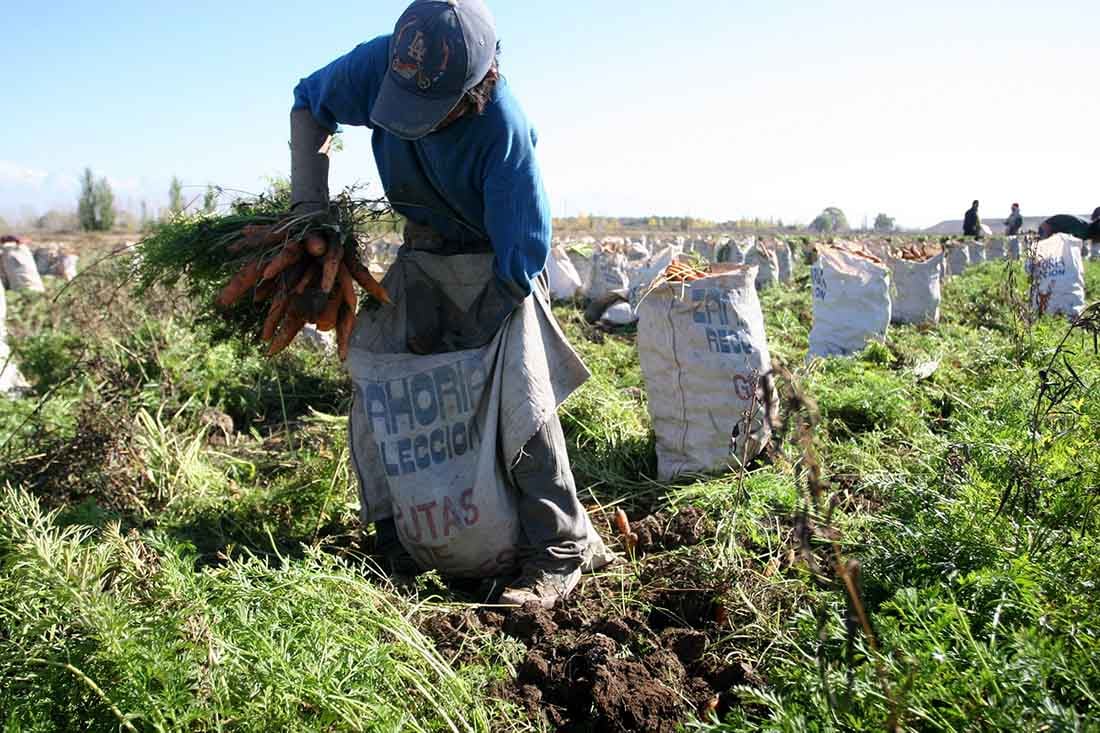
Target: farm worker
{"points": [[456, 157], [1014, 222], [1073, 225], [972, 225], [1096, 214]]}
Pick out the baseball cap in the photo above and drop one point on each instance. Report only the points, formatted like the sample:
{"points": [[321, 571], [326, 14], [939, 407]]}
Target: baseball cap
{"points": [[440, 49]]}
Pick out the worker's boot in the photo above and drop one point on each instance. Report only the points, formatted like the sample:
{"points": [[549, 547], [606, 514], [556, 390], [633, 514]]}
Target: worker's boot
{"points": [[543, 585], [392, 556]]}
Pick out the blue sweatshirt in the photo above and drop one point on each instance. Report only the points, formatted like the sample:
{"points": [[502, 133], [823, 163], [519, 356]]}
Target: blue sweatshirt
{"points": [[472, 181]]}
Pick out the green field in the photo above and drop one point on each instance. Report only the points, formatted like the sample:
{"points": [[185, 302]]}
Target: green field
{"points": [[158, 574]]}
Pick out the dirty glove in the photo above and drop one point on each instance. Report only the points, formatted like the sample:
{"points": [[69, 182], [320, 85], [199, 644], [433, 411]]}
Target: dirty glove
{"points": [[436, 325], [309, 144]]}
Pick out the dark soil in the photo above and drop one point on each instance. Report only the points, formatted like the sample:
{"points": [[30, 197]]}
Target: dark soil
{"points": [[590, 666]]}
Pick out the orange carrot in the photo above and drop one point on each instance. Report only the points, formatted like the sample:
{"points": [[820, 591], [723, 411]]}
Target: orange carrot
{"points": [[275, 314], [316, 244], [292, 326], [239, 284], [308, 278], [347, 287], [332, 266], [367, 282], [291, 254], [327, 320], [344, 328]]}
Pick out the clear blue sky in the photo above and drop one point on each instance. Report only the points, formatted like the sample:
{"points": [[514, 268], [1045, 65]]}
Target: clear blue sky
{"points": [[721, 110]]}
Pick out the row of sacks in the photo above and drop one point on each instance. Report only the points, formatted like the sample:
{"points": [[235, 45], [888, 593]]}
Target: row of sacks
{"points": [[857, 295], [22, 269]]}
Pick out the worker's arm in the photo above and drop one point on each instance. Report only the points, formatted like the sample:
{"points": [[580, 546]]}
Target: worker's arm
{"points": [[341, 93]]}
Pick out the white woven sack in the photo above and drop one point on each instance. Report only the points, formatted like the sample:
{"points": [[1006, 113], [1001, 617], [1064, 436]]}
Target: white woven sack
{"points": [[958, 258], [785, 260], [1058, 276], [705, 358], [609, 274], [1094, 251], [565, 281], [1012, 248], [20, 270], [977, 251], [620, 314], [996, 249], [915, 290], [12, 383], [3, 317], [764, 259], [66, 267], [851, 302], [582, 263]]}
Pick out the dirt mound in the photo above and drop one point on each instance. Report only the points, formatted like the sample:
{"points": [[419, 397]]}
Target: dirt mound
{"points": [[593, 666]]}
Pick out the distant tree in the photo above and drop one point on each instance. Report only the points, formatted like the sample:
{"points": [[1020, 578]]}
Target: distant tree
{"points": [[3, 225], [210, 200], [85, 208], [95, 209], [175, 197], [884, 223], [144, 213], [104, 205], [829, 221], [57, 221]]}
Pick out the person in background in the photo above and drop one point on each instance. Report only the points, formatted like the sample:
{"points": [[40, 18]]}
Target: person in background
{"points": [[972, 224], [1014, 222], [1096, 214], [1075, 226]]}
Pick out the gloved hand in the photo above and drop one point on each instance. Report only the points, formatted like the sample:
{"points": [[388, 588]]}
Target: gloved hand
{"points": [[309, 144]]}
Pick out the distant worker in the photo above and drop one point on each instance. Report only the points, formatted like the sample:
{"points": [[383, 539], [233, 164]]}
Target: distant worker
{"points": [[1075, 226], [972, 224], [1015, 222]]}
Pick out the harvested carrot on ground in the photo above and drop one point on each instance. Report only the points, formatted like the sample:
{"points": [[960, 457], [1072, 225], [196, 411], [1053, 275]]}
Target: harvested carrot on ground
{"points": [[246, 278]]}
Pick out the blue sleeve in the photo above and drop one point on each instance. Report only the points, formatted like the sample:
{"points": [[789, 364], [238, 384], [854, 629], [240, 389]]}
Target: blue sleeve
{"points": [[517, 211], [343, 92]]}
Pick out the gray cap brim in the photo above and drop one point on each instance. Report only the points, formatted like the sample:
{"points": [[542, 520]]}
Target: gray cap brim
{"points": [[407, 115]]}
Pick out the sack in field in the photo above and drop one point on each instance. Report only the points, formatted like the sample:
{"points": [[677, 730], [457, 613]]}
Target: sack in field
{"points": [[1012, 248], [609, 274], [66, 267], [916, 292], [434, 439], [12, 383], [977, 251], [958, 258], [764, 259], [20, 270], [565, 281], [996, 249], [582, 263], [1094, 251], [45, 259], [1057, 276], [3, 317], [620, 314], [704, 355], [851, 302], [785, 260]]}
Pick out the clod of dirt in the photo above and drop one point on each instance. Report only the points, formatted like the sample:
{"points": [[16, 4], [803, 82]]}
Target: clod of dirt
{"points": [[534, 670], [615, 628], [659, 532], [686, 644], [665, 666], [626, 697], [530, 623]]}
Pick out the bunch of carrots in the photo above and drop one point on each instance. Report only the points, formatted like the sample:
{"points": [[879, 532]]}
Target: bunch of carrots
{"points": [[307, 278], [681, 272]]}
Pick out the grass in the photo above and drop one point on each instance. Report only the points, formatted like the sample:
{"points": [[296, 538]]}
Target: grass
{"points": [[157, 576]]}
